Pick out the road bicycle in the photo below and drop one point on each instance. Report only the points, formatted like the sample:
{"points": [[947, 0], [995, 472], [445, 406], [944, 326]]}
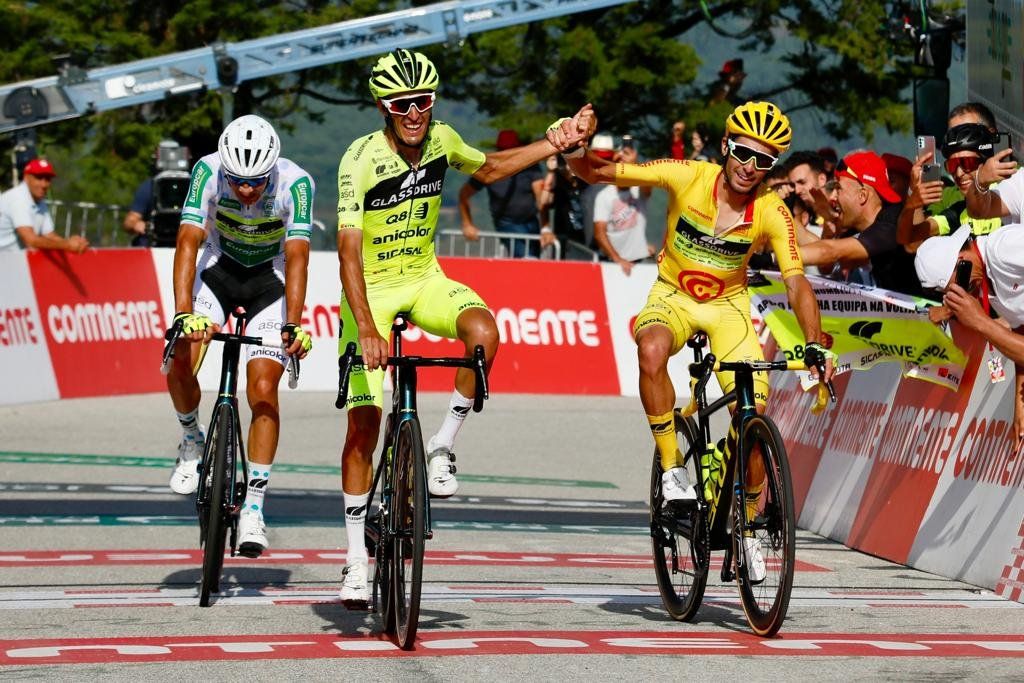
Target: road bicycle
{"points": [[222, 473], [685, 533], [399, 528]]}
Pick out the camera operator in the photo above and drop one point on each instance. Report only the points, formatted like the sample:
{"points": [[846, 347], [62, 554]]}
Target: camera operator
{"points": [[156, 209]]}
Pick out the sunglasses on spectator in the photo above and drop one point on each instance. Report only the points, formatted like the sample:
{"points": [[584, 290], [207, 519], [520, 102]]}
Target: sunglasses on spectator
{"points": [[246, 182], [744, 155], [401, 106], [968, 164]]}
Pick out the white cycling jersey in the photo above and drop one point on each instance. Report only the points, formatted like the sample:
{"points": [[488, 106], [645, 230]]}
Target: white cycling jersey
{"points": [[255, 234]]}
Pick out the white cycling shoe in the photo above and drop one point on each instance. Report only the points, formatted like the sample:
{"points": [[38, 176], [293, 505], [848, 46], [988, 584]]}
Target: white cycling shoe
{"points": [[355, 594], [185, 477], [676, 486], [756, 569], [441, 481], [252, 533]]}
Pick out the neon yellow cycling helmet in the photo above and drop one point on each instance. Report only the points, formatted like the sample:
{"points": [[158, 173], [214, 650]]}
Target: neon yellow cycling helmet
{"points": [[761, 121], [402, 71]]}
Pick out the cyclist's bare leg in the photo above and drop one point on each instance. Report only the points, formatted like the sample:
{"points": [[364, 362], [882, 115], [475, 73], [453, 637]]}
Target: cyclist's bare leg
{"points": [[357, 453], [356, 478], [654, 347], [263, 376], [182, 385], [475, 326]]}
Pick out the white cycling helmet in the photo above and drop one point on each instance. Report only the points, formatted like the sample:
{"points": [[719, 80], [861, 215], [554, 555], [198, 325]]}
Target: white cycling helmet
{"points": [[249, 147]]}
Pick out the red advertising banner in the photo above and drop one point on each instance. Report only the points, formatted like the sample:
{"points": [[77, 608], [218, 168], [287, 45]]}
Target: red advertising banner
{"points": [[553, 322], [103, 320], [915, 444]]}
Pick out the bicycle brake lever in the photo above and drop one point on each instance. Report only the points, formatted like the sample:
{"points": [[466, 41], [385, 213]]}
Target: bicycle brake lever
{"points": [[172, 335], [344, 367], [479, 369], [293, 372]]}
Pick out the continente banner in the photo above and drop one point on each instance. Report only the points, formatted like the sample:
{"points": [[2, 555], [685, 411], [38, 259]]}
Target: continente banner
{"points": [[864, 326]]}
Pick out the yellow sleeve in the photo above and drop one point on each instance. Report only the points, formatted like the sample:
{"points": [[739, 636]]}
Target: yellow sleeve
{"points": [[777, 224], [657, 173]]}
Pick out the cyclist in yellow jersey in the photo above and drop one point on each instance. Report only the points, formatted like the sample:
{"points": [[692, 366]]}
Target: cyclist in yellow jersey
{"points": [[389, 195], [717, 217]]}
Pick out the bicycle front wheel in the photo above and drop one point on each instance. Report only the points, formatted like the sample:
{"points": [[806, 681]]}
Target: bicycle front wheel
{"points": [[678, 536], [410, 523], [215, 461], [764, 525]]}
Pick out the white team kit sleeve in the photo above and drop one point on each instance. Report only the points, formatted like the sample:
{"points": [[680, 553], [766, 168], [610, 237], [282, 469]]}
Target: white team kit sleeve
{"points": [[1011, 191], [202, 190], [298, 200]]}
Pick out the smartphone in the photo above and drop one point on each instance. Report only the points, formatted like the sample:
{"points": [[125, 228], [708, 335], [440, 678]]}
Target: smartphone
{"points": [[963, 274], [627, 141], [931, 171], [1004, 142]]}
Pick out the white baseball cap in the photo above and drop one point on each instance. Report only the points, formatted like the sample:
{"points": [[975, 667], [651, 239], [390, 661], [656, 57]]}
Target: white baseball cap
{"points": [[603, 141], [936, 258]]}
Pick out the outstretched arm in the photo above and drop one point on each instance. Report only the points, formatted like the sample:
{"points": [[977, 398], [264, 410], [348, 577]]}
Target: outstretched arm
{"points": [[507, 162]]}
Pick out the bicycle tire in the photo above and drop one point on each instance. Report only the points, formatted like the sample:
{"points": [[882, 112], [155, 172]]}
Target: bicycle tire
{"points": [[216, 523], [675, 541], [409, 517], [382, 598], [766, 602]]}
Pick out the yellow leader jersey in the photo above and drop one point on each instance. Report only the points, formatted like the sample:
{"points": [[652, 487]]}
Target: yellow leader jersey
{"points": [[703, 265]]}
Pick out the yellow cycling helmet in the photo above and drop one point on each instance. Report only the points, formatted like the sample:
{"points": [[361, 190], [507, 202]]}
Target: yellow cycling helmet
{"points": [[761, 121], [402, 71]]}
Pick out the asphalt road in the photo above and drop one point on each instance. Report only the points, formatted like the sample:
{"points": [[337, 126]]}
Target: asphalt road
{"points": [[539, 569]]}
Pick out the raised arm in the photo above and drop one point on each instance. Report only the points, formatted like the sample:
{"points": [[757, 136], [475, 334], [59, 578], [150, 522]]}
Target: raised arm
{"points": [[981, 201]]}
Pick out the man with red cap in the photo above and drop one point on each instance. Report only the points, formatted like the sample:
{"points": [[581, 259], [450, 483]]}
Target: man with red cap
{"points": [[25, 215], [870, 209]]}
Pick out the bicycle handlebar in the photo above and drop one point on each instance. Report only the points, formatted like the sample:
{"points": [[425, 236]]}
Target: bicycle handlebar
{"points": [[702, 373], [477, 363], [173, 335]]}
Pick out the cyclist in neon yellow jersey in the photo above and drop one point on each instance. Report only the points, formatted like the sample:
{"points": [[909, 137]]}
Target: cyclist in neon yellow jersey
{"points": [[389, 195]]}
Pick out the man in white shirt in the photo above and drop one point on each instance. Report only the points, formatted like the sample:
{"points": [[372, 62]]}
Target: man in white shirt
{"points": [[25, 215], [996, 282], [620, 219]]}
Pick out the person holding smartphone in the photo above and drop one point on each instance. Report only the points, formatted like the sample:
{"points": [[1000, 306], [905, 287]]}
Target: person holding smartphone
{"points": [[986, 199], [991, 266], [968, 143]]}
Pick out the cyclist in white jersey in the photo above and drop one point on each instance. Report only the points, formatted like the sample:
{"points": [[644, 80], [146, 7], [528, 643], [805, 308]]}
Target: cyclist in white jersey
{"points": [[251, 211]]}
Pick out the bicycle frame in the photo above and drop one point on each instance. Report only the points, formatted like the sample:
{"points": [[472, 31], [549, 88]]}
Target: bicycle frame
{"points": [[403, 409], [227, 399], [742, 395]]}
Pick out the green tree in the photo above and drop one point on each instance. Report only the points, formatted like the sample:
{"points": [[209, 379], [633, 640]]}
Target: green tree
{"points": [[637, 63]]}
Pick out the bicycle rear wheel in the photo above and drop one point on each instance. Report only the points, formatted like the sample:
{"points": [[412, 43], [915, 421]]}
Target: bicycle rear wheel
{"points": [[409, 518], [678, 536], [772, 529], [215, 473]]}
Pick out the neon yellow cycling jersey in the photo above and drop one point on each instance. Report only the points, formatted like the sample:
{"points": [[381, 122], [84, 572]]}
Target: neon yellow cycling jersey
{"points": [[395, 205], [700, 263]]}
